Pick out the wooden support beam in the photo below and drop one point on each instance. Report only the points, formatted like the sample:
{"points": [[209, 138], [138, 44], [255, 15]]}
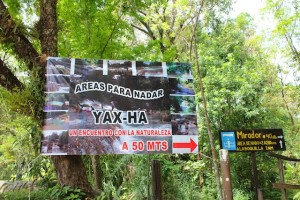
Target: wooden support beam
{"points": [[157, 180], [281, 178], [286, 186], [283, 157]]}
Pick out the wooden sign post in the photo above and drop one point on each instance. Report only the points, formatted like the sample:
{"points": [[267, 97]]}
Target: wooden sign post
{"points": [[253, 141]]}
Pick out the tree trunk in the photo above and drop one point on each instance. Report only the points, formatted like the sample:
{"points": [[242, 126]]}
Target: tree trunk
{"points": [[70, 169], [207, 123], [7, 79], [11, 35], [97, 172], [48, 27]]}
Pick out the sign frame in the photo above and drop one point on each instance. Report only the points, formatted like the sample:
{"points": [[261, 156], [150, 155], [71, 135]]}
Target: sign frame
{"points": [[96, 106]]}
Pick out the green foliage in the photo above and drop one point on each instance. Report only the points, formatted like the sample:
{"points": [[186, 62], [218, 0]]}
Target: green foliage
{"points": [[19, 134], [16, 147], [25, 195], [124, 177], [232, 83], [54, 193], [240, 195], [242, 92], [14, 8], [286, 31], [177, 180], [180, 177], [297, 196], [92, 29], [65, 192]]}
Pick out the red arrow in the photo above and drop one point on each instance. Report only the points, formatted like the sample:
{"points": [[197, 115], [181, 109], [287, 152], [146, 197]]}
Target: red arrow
{"points": [[192, 145]]}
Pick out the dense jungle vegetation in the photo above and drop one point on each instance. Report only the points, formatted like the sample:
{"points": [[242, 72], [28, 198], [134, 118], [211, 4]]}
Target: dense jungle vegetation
{"points": [[244, 78]]}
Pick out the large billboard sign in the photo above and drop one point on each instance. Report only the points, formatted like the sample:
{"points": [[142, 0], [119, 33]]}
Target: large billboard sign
{"points": [[118, 107], [252, 140]]}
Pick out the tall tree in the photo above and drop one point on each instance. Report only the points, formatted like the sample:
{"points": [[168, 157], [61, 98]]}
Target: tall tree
{"points": [[241, 84], [204, 102], [70, 169], [286, 34], [286, 14]]}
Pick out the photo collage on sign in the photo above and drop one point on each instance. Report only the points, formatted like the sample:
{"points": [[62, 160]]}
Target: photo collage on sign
{"points": [[54, 139], [68, 108], [182, 97]]}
